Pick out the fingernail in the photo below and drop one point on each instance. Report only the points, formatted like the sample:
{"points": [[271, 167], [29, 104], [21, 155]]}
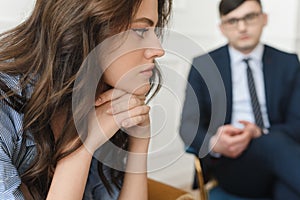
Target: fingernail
{"points": [[98, 101], [109, 111], [125, 124]]}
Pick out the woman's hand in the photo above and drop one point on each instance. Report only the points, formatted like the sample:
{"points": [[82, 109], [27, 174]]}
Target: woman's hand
{"points": [[117, 109]]}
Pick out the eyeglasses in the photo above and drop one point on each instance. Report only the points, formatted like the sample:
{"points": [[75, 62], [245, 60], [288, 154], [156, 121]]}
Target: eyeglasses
{"points": [[248, 19]]}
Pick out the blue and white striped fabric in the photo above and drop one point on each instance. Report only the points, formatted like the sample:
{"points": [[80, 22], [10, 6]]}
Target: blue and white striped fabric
{"points": [[16, 155]]}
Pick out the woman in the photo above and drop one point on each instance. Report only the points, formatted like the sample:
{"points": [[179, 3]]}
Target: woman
{"points": [[45, 152]]}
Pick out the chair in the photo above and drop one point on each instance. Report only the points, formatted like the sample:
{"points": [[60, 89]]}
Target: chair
{"points": [[211, 189], [161, 191], [204, 188]]}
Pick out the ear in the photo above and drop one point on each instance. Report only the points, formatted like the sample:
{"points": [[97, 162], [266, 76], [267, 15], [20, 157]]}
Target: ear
{"points": [[221, 28], [265, 19]]}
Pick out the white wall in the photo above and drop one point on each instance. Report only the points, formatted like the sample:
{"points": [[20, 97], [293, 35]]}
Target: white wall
{"points": [[12, 12], [199, 19]]}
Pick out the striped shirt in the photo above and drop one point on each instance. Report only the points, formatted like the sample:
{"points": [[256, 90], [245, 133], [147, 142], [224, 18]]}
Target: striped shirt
{"points": [[17, 153]]}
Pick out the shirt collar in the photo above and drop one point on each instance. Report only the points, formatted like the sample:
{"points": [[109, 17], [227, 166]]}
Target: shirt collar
{"points": [[236, 56], [29, 139]]}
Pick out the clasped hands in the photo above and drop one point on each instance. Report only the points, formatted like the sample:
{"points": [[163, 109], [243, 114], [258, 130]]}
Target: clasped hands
{"points": [[231, 142], [117, 109]]}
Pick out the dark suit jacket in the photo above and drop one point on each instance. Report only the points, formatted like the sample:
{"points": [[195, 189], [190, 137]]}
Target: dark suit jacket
{"points": [[208, 102]]}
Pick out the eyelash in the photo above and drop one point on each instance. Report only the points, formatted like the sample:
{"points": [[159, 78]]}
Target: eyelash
{"points": [[140, 31]]}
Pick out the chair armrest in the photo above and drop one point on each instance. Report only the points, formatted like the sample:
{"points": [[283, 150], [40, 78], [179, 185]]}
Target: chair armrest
{"points": [[203, 187], [161, 191]]}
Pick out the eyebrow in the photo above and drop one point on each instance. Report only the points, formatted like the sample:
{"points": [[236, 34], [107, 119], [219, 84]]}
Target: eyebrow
{"points": [[144, 20], [247, 14]]}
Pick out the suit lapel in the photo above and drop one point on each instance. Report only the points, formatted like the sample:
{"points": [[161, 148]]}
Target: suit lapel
{"points": [[223, 63], [269, 68]]}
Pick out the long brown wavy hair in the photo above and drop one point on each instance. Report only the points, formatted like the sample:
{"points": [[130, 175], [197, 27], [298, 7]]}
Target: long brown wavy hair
{"points": [[47, 51]]}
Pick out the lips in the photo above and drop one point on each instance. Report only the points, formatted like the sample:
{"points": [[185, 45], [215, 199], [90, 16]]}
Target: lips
{"points": [[244, 37], [148, 71], [148, 68]]}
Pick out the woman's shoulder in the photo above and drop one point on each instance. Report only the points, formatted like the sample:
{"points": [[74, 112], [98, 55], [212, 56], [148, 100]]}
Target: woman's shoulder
{"points": [[10, 125], [10, 81], [10, 119]]}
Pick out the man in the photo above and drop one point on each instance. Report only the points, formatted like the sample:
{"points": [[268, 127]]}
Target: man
{"points": [[255, 151]]}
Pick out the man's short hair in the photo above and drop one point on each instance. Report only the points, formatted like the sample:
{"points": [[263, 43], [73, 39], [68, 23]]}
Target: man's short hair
{"points": [[226, 6]]}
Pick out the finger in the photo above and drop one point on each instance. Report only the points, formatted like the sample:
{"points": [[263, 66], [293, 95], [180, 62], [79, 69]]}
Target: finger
{"points": [[234, 149], [141, 97], [141, 110], [240, 139], [238, 146], [134, 121], [235, 154], [242, 147], [245, 122], [109, 95], [125, 103], [253, 131], [230, 130]]}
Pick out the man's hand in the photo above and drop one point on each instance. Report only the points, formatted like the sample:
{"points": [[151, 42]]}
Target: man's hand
{"points": [[230, 141], [251, 128]]}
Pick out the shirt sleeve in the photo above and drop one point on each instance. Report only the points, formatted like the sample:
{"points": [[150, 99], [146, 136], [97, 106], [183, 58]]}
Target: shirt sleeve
{"points": [[10, 180], [95, 188]]}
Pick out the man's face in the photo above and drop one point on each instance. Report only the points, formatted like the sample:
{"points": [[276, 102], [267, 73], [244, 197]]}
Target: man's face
{"points": [[243, 26]]}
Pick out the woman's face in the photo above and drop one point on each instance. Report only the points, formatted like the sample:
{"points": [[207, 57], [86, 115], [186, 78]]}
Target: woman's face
{"points": [[132, 66]]}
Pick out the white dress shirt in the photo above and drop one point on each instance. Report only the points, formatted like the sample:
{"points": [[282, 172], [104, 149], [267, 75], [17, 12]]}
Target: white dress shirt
{"points": [[241, 101]]}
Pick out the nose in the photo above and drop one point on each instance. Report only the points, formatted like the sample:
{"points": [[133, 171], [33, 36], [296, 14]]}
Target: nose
{"points": [[154, 49], [241, 25], [154, 52]]}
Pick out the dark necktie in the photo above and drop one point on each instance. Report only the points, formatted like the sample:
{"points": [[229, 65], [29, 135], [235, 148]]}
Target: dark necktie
{"points": [[254, 100]]}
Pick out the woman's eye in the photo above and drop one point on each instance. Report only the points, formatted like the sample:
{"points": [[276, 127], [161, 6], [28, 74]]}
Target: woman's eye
{"points": [[140, 31]]}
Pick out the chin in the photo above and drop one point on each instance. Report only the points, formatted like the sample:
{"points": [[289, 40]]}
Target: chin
{"points": [[247, 46]]}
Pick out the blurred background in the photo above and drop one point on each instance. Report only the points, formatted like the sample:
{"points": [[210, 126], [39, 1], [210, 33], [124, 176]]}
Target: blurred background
{"points": [[195, 21]]}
